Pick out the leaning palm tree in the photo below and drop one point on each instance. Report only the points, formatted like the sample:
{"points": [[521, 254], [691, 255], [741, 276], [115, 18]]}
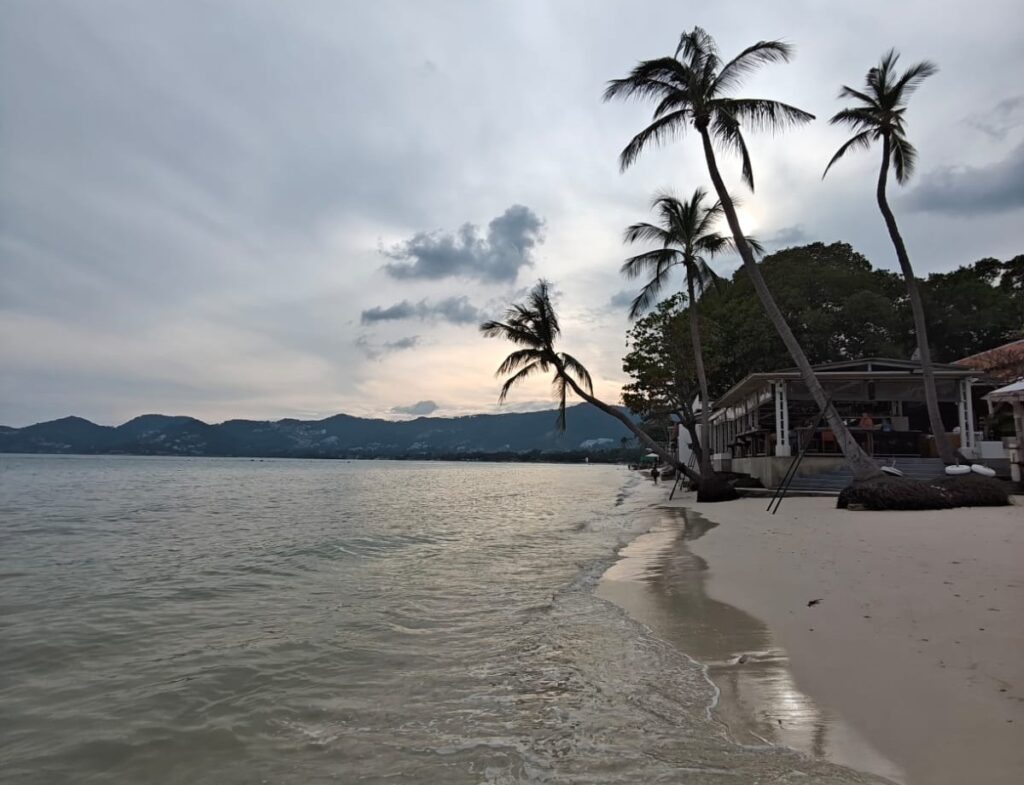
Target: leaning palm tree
{"points": [[533, 325], [686, 238], [692, 91], [879, 116]]}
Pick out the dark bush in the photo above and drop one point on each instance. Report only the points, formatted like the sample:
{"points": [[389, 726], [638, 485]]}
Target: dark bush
{"points": [[894, 493], [903, 493], [716, 488], [973, 490]]}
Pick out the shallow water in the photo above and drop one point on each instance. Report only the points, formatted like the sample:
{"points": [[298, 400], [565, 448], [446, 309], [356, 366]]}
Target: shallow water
{"points": [[170, 620]]}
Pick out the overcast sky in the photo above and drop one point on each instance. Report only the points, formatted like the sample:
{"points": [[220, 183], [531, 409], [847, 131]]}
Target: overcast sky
{"points": [[269, 209]]}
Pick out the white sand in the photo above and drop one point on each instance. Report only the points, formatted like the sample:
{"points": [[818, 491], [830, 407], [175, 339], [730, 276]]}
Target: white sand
{"points": [[918, 641]]}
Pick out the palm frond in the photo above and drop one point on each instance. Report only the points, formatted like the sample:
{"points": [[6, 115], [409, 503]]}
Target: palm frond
{"points": [[659, 259], [849, 92], [860, 141], [559, 386], [858, 118], [649, 78], [648, 295], [647, 232], [712, 244], [656, 133], [763, 114], [727, 131], [518, 360], [697, 45], [750, 59], [571, 364], [515, 379], [754, 244], [904, 158], [913, 77]]}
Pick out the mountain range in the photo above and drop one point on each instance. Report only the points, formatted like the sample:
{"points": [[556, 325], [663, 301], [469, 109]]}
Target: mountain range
{"points": [[340, 436]]}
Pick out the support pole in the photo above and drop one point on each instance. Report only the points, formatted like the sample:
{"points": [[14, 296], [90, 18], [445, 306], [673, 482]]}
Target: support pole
{"points": [[969, 443], [782, 446]]}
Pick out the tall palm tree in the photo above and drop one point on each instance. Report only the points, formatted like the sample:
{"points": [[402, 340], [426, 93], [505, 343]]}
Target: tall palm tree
{"points": [[686, 237], [692, 91], [533, 325], [879, 116]]}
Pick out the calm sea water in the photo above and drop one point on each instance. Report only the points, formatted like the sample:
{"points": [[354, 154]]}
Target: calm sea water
{"points": [[169, 620]]}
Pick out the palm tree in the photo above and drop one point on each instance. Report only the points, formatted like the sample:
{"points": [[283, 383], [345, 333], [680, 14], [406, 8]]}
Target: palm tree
{"points": [[691, 90], [879, 116], [533, 325], [686, 236]]}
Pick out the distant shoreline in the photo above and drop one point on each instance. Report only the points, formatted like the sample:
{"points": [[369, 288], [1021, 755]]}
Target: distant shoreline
{"points": [[557, 458]]}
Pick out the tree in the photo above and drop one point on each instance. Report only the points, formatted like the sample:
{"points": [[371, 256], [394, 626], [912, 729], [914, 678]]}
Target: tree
{"points": [[692, 90], [661, 368], [533, 325], [686, 237], [878, 116]]}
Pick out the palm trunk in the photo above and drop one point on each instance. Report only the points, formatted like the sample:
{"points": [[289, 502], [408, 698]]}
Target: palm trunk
{"points": [[860, 463], [703, 454], [931, 396], [641, 435]]}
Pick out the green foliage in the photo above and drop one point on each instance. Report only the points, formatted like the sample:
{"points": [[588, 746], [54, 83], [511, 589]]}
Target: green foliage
{"points": [[839, 308], [975, 307], [660, 363]]}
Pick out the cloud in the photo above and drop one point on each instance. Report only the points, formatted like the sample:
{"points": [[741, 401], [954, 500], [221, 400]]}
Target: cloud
{"points": [[377, 350], [419, 409], [969, 190], [498, 257], [457, 310], [1004, 117], [621, 299], [787, 236]]}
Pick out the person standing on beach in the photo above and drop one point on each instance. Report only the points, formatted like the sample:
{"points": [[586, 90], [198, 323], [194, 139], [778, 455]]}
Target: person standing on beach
{"points": [[655, 474]]}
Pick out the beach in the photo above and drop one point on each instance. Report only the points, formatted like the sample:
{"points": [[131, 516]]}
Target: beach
{"points": [[887, 642]]}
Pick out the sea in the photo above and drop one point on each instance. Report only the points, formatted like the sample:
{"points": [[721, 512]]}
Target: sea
{"points": [[205, 620]]}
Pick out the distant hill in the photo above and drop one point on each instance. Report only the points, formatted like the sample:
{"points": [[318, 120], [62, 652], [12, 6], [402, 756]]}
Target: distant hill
{"points": [[341, 436]]}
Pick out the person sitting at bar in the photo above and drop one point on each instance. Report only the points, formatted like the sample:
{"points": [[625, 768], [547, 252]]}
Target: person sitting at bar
{"points": [[866, 422]]}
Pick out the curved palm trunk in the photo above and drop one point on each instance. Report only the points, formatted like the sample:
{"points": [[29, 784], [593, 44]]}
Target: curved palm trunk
{"points": [[641, 435], [860, 462], [702, 381], [931, 396]]}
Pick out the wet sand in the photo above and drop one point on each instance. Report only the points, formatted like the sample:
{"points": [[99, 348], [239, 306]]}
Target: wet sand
{"points": [[915, 650], [660, 582]]}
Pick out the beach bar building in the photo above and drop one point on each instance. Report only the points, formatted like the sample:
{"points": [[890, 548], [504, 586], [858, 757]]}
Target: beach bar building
{"points": [[765, 419]]}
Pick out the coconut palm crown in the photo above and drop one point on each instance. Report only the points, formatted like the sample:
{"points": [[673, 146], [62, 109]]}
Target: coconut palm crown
{"points": [[686, 237], [692, 89], [880, 113], [534, 326]]}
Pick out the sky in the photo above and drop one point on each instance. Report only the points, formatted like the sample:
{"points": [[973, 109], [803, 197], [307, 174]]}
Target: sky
{"points": [[245, 208]]}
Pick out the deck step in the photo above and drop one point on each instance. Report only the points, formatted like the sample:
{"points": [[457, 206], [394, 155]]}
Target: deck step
{"points": [[834, 481]]}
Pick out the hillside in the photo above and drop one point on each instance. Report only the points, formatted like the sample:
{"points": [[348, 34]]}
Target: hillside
{"points": [[588, 430]]}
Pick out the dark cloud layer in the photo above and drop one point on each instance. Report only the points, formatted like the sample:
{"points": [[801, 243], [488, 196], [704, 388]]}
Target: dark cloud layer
{"points": [[418, 409], [970, 190], [498, 257], [457, 310]]}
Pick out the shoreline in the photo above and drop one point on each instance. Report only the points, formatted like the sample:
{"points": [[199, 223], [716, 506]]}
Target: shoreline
{"points": [[660, 582], [914, 648]]}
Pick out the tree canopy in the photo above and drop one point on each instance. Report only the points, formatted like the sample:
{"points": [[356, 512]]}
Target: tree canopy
{"points": [[839, 307]]}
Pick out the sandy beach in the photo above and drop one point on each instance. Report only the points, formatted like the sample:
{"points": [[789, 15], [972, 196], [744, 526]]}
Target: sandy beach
{"points": [[889, 642]]}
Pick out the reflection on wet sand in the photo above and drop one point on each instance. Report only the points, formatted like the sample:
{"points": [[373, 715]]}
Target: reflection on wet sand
{"points": [[660, 583]]}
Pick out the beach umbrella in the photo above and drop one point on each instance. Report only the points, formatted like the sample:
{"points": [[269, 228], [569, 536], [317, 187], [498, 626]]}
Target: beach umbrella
{"points": [[651, 456]]}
